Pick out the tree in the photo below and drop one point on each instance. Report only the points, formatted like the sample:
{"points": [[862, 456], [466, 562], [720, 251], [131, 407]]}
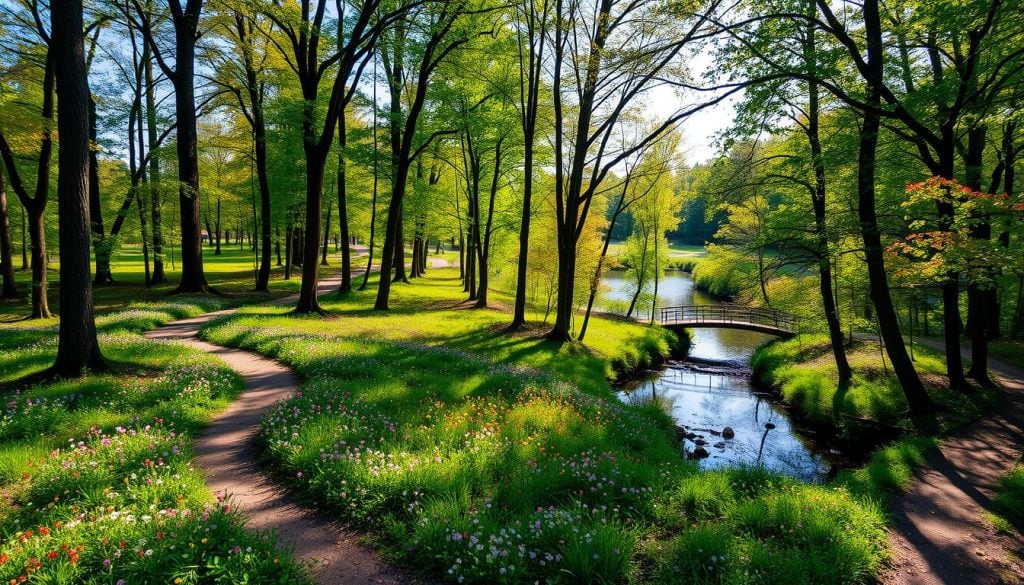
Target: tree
{"points": [[36, 51], [182, 76], [606, 56], [242, 77], [10, 287], [434, 26], [77, 346], [888, 321], [531, 22], [303, 33]]}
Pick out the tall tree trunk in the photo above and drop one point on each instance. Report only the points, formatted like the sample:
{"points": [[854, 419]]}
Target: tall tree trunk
{"points": [[888, 323], [216, 228], [835, 328], [37, 237], [155, 195], [485, 249], [315, 167], [102, 248], [24, 245], [277, 243], [289, 236], [35, 205], [193, 278], [981, 229], [10, 287], [343, 233], [77, 346], [327, 234]]}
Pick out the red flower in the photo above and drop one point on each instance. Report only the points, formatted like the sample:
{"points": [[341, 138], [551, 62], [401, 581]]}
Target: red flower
{"points": [[51, 555]]}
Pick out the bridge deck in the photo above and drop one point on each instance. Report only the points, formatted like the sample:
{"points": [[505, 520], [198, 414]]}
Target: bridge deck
{"points": [[763, 320]]}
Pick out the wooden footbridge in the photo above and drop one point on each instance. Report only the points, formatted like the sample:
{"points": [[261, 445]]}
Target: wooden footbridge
{"points": [[725, 316]]}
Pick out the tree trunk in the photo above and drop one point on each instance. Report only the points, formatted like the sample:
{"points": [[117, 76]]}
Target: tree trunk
{"points": [[193, 278], [327, 234], [888, 323], [835, 328], [216, 228], [10, 287], [24, 245], [155, 195], [289, 235], [37, 237], [978, 299], [102, 248], [77, 346], [343, 233]]}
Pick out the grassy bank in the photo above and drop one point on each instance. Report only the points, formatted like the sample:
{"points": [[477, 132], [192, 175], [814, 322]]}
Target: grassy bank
{"points": [[477, 456], [97, 483]]}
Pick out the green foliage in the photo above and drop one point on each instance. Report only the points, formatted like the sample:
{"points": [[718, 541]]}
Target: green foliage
{"points": [[97, 472], [486, 458]]}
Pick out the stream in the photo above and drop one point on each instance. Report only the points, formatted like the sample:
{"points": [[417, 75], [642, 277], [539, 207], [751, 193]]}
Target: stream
{"points": [[710, 390]]}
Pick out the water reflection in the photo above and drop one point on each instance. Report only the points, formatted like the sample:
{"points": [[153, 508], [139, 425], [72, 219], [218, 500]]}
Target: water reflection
{"points": [[711, 391]]}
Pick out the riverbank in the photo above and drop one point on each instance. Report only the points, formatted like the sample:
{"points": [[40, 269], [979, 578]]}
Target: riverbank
{"points": [[477, 456], [871, 410]]}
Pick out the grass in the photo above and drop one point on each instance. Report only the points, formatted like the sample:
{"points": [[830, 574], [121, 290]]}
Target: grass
{"points": [[97, 482], [1010, 351], [231, 273], [477, 456], [872, 408], [1008, 506]]}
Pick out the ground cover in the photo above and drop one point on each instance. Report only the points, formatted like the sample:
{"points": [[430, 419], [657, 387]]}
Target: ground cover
{"points": [[1009, 502], [1010, 351], [97, 483], [480, 457], [872, 408]]}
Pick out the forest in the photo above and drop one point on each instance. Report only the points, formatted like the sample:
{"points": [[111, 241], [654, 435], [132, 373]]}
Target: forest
{"points": [[645, 291]]}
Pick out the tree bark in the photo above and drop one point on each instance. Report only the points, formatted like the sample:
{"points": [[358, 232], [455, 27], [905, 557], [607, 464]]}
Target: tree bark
{"points": [[102, 247], [155, 195], [10, 287], [343, 233], [978, 299], [917, 398], [35, 205], [186, 22], [77, 346], [327, 234], [835, 328]]}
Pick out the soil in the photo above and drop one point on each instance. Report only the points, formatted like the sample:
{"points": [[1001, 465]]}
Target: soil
{"points": [[940, 533]]}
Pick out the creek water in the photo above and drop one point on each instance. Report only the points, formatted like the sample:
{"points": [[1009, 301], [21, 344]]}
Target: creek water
{"points": [[711, 390]]}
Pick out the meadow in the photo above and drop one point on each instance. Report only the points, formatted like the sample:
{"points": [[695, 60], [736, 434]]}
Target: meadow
{"points": [[473, 456]]}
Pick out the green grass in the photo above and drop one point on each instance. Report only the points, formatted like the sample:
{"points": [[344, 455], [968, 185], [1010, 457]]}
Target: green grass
{"points": [[97, 481], [1010, 351], [1008, 507], [873, 406], [482, 457], [230, 273]]}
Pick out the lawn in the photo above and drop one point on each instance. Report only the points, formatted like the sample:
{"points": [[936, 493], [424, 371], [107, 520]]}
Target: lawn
{"points": [[97, 483], [476, 456]]}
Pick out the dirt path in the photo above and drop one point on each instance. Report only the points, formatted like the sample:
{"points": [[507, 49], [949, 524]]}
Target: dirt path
{"points": [[227, 457], [941, 534]]}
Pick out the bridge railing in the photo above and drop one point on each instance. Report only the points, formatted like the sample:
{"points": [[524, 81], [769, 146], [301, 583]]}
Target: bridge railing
{"points": [[729, 314]]}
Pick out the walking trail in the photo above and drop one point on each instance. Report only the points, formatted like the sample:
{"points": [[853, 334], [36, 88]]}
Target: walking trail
{"points": [[941, 535], [227, 457]]}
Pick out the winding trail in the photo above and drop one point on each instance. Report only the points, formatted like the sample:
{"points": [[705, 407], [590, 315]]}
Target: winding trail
{"points": [[940, 534], [229, 461]]}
